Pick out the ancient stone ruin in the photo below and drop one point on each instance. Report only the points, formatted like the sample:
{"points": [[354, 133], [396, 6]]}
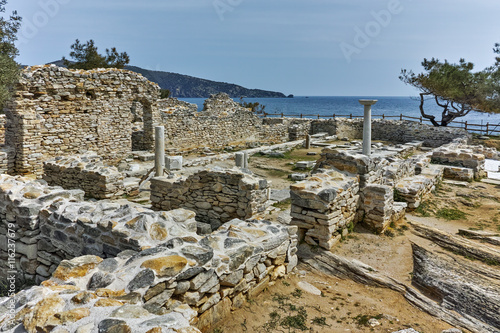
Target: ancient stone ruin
{"points": [[100, 262]]}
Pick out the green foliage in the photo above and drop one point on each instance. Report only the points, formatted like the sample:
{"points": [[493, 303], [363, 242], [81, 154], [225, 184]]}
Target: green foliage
{"points": [[9, 69], [424, 209], [255, 107], [321, 321], [298, 321], [297, 293], [85, 56], [283, 205], [450, 214], [164, 93], [456, 88]]}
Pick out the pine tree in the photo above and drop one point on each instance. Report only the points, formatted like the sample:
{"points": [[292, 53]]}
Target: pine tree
{"points": [[9, 69]]}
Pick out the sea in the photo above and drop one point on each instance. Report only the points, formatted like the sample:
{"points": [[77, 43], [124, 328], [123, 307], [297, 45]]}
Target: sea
{"points": [[312, 106]]}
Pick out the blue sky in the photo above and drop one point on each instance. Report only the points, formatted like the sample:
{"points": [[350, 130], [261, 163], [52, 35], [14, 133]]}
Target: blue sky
{"points": [[301, 47]]}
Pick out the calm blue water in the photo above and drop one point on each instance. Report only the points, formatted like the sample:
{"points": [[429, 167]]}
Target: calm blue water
{"points": [[339, 105]]}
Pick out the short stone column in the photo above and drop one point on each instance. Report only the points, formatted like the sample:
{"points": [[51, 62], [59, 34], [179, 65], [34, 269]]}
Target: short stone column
{"points": [[159, 150], [245, 160], [308, 141], [238, 158], [367, 125]]}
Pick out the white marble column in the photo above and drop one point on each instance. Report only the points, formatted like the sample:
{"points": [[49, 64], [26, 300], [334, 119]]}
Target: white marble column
{"points": [[367, 125], [159, 150]]}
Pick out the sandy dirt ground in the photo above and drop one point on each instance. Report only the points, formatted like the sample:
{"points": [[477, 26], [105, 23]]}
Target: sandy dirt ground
{"points": [[346, 306]]}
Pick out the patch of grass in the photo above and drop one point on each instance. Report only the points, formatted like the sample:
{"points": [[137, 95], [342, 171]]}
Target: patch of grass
{"points": [[285, 283], [320, 321], [450, 214], [389, 232], [298, 321], [283, 205], [280, 298], [398, 197], [424, 209], [218, 330], [297, 293]]}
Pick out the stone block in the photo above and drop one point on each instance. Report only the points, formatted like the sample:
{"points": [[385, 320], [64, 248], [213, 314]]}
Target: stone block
{"points": [[173, 163]]}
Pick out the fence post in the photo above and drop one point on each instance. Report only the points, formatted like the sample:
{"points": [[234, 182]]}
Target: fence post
{"points": [[301, 116], [465, 127], [383, 116], [350, 116], [487, 128], [318, 116], [420, 119], [281, 114], [401, 116]]}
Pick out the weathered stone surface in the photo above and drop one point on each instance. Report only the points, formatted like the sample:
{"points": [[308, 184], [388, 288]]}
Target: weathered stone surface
{"points": [[309, 288], [83, 298], [214, 314], [105, 302], [129, 311], [143, 279], [166, 266], [73, 315], [42, 312], [100, 280], [77, 267], [451, 283]]}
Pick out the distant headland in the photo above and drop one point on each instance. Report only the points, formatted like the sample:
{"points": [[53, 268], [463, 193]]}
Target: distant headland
{"points": [[186, 86]]}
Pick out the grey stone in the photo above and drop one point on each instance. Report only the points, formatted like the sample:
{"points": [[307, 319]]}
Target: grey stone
{"points": [[200, 254], [203, 228], [129, 311], [143, 279], [211, 283], [201, 279], [189, 273], [232, 279], [100, 280], [108, 265], [155, 303], [173, 320], [106, 324]]}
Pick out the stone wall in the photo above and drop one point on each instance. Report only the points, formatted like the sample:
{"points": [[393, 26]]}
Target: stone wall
{"points": [[460, 156], [389, 130], [86, 172], [21, 201], [58, 112], [135, 261], [324, 207], [181, 283], [224, 122], [379, 207], [217, 196]]}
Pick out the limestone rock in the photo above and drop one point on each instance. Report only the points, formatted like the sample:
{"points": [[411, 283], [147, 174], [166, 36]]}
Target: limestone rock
{"points": [[166, 266]]}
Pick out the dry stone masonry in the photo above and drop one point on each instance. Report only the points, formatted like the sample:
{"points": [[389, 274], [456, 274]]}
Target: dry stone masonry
{"points": [[87, 172], [140, 269], [56, 112], [324, 207], [217, 196]]}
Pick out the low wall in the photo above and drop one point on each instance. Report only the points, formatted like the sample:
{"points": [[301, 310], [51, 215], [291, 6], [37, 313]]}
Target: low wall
{"points": [[86, 172], [141, 269], [461, 156], [216, 196], [324, 207], [21, 200], [389, 130]]}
